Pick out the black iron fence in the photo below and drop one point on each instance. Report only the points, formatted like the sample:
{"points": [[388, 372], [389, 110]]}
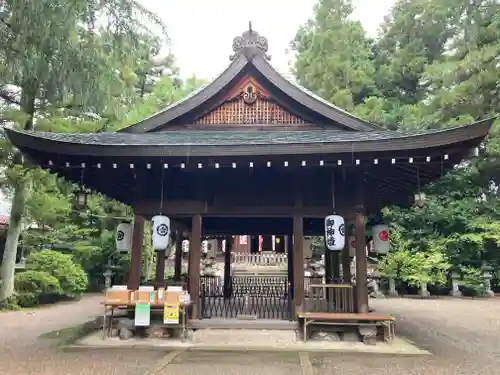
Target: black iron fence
{"points": [[252, 297]]}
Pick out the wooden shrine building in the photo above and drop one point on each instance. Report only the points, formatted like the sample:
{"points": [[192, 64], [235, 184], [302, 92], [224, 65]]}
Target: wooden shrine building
{"points": [[254, 153]]}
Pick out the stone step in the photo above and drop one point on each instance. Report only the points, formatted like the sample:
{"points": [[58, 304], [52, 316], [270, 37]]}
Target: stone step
{"points": [[248, 336]]}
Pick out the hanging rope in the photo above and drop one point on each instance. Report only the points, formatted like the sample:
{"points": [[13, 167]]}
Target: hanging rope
{"points": [[161, 184]]}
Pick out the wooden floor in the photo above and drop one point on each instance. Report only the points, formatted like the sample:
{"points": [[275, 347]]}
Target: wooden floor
{"points": [[236, 323]]}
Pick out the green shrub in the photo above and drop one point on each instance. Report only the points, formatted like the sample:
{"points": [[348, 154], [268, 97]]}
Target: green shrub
{"points": [[71, 276], [35, 287], [472, 282]]}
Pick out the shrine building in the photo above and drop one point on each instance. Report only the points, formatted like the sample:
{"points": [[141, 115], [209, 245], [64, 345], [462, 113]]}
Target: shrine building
{"points": [[253, 153]]}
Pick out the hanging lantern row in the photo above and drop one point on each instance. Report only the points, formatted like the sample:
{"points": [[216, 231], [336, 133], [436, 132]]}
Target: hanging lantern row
{"points": [[335, 236], [160, 235], [252, 164]]}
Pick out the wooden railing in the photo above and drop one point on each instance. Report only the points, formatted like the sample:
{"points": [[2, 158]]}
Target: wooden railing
{"points": [[271, 259], [332, 298]]}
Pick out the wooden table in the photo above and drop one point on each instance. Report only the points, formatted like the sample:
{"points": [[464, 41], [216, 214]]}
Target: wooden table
{"points": [[111, 305]]}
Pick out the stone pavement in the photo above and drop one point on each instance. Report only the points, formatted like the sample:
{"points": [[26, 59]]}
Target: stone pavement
{"points": [[463, 335]]}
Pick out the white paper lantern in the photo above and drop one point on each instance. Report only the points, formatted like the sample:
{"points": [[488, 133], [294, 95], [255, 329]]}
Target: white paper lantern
{"points": [[204, 247], [352, 246], [185, 246], [381, 243], [123, 237], [161, 232], [334, 232]]}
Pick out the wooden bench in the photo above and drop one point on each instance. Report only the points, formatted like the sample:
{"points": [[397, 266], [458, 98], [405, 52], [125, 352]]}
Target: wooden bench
{"points": [[348, 319]]}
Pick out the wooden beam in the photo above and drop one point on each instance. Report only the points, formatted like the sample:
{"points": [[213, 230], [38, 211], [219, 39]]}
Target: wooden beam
{"points": [[134, 277], [178, 255], [188, 208], [361, 261], [298, 262], [194, 264], [160, 267]]}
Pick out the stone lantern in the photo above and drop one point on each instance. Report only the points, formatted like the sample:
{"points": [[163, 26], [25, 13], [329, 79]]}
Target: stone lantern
{"points": [[487, 275], [375, 276], [455, 277], [108, 274]]}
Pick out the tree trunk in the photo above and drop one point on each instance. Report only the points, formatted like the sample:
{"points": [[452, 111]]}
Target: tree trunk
{"points": [[14, 230], [8, 267]]}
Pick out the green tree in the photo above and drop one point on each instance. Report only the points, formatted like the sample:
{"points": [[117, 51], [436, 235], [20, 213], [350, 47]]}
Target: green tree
{"points": [[55, 55], [333, 55]]}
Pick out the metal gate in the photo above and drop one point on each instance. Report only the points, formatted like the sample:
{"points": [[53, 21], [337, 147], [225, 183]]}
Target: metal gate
{"points": [[252, 297]]}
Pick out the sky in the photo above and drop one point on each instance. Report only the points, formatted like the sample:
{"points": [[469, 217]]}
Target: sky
{"points": [[202, 31]]}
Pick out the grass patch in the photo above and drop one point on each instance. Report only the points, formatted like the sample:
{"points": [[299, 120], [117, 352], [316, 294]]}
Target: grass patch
{"points": [[68, 336]]}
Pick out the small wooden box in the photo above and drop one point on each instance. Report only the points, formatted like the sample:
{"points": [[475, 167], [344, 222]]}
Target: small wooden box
{"points": [[145, 296], [172, 297], [118, 295]]}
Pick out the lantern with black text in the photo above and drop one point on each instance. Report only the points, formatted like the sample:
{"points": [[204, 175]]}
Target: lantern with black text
{"points": [[185, 246], [161, 232], [204, 247], [334, 232], [123, 237], [381, 243]]}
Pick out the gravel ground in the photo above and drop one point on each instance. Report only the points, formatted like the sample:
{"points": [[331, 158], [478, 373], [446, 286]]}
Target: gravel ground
{"points": [[463, 335], [23, 352]]}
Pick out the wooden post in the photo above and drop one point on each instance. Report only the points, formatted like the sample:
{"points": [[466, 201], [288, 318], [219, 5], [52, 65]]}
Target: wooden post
{"points": [[328, 266], [361, 262], [194, 264], [289, 250], [134, 277], [335, 265], [227, 267], [346, 264], [178, 255], [298, 262], [160, 268]]}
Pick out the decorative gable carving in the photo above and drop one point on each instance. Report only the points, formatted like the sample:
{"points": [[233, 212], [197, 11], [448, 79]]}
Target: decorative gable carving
{"points": [[249, 103]]}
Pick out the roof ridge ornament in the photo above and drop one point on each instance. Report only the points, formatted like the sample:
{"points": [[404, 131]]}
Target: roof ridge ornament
{"points": [[250, 44]]}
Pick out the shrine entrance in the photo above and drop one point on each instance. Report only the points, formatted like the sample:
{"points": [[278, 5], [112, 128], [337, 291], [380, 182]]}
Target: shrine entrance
{"points": [[246, 296]]}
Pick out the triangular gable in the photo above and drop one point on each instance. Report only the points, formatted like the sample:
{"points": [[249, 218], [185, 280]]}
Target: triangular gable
{"points": [[227, 103], [249, 103]]}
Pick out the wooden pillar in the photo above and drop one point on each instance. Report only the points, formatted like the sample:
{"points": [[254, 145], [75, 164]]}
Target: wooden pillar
{"points": [[335, 266], [160, 268], [227, 267], [178, 255], [194, 264], [361, 262], [134, 277], [289, 251], [328, 266], [298, 262], [346, 264]]}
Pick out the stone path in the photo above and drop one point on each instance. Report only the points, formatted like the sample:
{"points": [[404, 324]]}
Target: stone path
{"points": [[464, 336]]}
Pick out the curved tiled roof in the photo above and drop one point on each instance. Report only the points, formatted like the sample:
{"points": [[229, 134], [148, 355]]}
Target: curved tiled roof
{"points": [[243, 143]]}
